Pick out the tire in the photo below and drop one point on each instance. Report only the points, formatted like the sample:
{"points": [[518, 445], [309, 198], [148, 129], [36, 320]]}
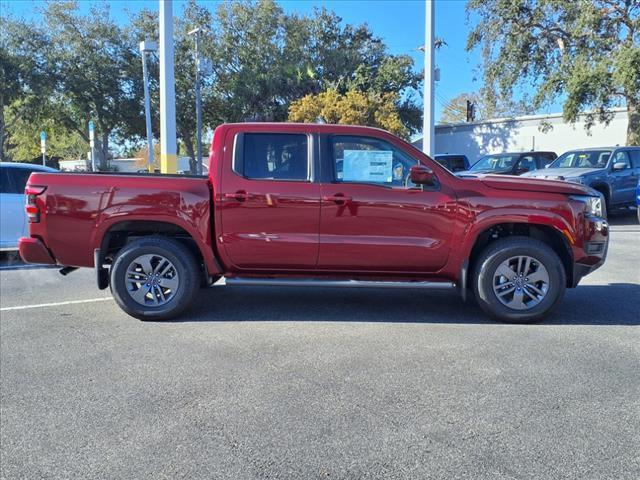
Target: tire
{"points": [[172, 286], [522, 304]]}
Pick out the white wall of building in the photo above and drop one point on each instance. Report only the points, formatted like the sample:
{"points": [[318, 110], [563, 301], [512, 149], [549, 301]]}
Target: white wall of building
{"points": [[524, 134]]}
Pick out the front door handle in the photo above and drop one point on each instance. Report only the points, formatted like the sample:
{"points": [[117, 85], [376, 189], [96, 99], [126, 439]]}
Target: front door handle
{"points": [[240, 195], [338, 198]]}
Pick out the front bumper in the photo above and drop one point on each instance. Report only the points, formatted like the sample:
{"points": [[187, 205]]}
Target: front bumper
{"points": [[33, 250], [593, 251]]}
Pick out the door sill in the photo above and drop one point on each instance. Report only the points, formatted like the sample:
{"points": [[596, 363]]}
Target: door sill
{"points": [[312, 282]]}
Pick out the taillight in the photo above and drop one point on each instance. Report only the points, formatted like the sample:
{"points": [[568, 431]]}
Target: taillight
{"points": [[32, 208]]}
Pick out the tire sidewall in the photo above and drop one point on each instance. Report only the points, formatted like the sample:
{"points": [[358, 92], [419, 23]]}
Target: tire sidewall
{"points": [[172, 251], [489, 302]]}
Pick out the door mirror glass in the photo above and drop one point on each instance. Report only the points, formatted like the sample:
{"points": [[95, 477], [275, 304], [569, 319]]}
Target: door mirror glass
{"points": [[422, 175]]}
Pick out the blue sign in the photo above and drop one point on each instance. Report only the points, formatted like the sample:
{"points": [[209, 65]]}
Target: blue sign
{"points": [[91, 125], [43, 136]]}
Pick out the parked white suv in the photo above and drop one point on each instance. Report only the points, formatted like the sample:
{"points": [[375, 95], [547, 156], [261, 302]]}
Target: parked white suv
{"points": [[13, 220]]}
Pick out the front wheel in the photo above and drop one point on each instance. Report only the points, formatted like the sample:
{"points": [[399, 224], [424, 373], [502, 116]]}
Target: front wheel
{"points": [[519, 279], [154, 278]]}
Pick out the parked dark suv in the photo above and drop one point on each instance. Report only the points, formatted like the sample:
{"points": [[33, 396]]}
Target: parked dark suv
{"points": [[514, 163], [613, 171], [453, 162]]}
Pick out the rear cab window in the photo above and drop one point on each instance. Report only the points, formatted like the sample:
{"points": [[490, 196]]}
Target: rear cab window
{"points": [[13, 179], [369, 160], [272, 156]]}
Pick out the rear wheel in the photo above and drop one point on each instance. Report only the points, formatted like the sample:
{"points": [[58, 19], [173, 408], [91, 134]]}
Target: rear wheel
{"points": [[518, 279], [154, 278]]}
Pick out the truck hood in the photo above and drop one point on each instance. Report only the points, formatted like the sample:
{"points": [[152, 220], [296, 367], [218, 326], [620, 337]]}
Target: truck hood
{"points": [[509, 182], [561, 173]]}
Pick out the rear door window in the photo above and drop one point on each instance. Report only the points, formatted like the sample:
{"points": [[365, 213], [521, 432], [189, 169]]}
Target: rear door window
{"points": [[20, 177], [635, 158], [10, 180], [273, 156]]}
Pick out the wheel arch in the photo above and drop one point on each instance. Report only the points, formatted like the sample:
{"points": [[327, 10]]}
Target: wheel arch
{"points": [[543, 232], [119, 233]]}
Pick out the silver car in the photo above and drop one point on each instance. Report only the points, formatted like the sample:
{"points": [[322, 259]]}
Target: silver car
{"points": [[13, 219]]}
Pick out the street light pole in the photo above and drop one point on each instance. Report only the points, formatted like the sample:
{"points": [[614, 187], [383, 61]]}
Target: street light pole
{"points": [[147, 47], [168, 144], [196, 33]]}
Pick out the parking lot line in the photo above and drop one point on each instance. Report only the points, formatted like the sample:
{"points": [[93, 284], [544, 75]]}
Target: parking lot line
{"points": [[55, 304]]}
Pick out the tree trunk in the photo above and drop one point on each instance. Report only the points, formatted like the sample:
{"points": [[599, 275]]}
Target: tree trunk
{"points": [[104, 152], [633, 125], [188, 145], [2, 129]]}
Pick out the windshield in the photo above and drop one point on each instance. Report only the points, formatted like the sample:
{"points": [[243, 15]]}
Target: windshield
{"points": [[582, 159], [495, 162]]}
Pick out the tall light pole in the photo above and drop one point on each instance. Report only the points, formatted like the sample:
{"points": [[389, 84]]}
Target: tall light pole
{"points": [[147, 47], [168, 147], [428, 130], [196, 33]]}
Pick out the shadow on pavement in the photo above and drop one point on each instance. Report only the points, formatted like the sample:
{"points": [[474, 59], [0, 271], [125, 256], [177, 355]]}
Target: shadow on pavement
{"points": [[623, 218], [615, 304]]}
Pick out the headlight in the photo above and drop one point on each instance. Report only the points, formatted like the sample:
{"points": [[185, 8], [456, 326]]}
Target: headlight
{"points": [[576, 180], [593, 205]]}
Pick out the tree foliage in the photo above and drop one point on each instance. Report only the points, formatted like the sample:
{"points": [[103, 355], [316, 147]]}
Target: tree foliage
{"points": [[586, 52], [352, 108], [70, 67]]}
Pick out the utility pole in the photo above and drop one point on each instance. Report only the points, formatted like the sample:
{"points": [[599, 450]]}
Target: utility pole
{"points": [[168, 147], [196, 33], [428, 130], [147, 47]]}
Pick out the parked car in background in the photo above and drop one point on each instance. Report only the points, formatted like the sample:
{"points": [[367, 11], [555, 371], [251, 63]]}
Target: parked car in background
{"points": [[613, 171], [453, 162], [514, 163], [13, 220]]}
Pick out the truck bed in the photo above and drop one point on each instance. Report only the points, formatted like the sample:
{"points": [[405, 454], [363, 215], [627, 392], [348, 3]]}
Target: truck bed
{"points": [[81, 208]]}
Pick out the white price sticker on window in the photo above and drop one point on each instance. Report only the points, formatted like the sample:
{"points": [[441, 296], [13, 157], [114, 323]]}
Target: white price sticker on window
{"points": [[367, 166]]}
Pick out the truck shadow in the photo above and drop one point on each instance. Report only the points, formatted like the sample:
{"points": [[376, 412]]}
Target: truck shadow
{"points": [[614, 304]]}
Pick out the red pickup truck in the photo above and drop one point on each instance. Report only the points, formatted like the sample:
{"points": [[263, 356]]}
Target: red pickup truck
{"points": [[318, 205]]}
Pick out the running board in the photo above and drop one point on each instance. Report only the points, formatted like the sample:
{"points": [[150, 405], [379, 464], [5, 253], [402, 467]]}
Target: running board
{"points": [[303, 282]]}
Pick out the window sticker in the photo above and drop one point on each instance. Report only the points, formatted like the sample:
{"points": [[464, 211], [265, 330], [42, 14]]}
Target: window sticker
{"points": [[367, 166]]}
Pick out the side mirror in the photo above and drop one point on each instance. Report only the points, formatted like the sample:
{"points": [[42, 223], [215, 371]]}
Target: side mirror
{"points": [[521, 170], [619, 166], [421, 175]]}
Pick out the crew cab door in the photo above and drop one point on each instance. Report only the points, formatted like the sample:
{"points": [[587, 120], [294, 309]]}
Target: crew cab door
{"points": [[373, 219], [268, 200], [624, 181]]}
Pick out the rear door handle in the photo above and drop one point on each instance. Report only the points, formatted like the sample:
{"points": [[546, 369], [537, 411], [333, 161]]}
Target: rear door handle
{"points": [[239, 196]]}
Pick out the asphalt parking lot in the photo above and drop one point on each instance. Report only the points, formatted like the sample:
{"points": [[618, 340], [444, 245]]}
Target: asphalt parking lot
{"points": [[301, 383]]}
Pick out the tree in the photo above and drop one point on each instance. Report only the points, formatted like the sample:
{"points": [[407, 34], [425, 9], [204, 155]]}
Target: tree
{"points": [[354, 108], [96, 72], [24, 78], [586, 52]]}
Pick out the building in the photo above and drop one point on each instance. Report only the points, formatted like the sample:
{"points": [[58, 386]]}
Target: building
{"points": [[526, 133]]}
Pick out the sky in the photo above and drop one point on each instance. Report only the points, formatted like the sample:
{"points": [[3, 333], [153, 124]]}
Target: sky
{"points": [[400, 23]]}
